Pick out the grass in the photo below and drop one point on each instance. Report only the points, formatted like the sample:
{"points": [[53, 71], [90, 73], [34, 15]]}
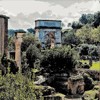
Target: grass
{"points": [[95, 65], [90, 95]]}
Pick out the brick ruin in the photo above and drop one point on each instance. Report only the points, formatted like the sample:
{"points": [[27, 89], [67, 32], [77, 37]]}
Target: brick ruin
{"points": [[18, 42], [3, 35], [76, 85]]}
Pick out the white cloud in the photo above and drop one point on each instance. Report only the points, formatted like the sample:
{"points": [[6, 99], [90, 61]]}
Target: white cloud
{"points": [[5, 12], [96, 6], [23, 13], [27, 21]]}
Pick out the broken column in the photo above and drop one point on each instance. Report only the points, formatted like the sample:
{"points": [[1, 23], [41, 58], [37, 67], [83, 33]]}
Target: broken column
{"points": [[3, 34], [18, 42], [76, 85]]}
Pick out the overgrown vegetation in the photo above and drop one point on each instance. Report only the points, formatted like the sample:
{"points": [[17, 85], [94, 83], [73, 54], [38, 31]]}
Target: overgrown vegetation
{"points": [[79, 50], [18, 87]]}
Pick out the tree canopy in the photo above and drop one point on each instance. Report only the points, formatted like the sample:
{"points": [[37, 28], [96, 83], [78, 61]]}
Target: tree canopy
{"points": [[59, 60]]}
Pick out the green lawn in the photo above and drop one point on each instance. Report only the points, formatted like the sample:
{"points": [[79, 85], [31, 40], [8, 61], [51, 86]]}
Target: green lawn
{"points": [[95, 65], [91, 94]]}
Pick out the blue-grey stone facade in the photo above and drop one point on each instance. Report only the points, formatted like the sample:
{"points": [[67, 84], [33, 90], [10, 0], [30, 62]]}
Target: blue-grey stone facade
{"points": [[51, 28]]}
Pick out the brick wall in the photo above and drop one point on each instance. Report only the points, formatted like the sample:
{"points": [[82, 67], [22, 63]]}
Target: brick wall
{"points": [[3, 34]]}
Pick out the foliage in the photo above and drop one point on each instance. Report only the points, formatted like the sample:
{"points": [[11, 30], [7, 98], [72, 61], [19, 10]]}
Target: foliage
{"points": [[5, 63], [11, 43], [29, 39], [84, 34], [86, 19], [18, 87], [76, 25], [88, 82], [88, 28], [32, 54], [88, 50], [59, 60], [31, 30], [92, 94], [20, 30], [11, 32], [69, 38], [25, 65], [95, 66], [91, 19], [96, 22]]}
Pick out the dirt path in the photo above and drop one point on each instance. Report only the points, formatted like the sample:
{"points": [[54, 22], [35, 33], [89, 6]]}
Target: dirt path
{"points": [[73, 99]]}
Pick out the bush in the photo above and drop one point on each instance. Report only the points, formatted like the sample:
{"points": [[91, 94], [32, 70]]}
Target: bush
{"points": [[18, 87], [59, 60], [88, 82], [29, 39], [92, 94], [87, 50], [32, 54]]}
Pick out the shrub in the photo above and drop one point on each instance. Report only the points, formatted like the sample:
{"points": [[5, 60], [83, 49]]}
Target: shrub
{"points": [[18, 87], [88, 82], [59, 60], [32, 54]]}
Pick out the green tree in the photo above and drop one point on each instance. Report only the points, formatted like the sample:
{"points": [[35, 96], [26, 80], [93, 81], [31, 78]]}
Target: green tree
{"points": [[18, 87], [76, 25], [96, 22], [86, 19], [69, 38], [11, 43], [32, 54], [84, 34], [89, 35], [31, 30], [59, 60], [27, 40]]}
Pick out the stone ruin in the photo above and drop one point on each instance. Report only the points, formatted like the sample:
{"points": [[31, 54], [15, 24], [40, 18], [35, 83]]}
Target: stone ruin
{"points": [[18, 42], [76, 85], [3, 35]]}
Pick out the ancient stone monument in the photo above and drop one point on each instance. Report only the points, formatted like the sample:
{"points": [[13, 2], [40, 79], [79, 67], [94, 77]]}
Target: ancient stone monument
{"points": [[76, 85], [48, 32], [3, 34], [18, 42]]}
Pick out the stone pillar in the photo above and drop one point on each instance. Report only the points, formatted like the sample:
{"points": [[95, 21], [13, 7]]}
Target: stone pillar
{"points": [[18, 42], [76, 85], [3, 35]]}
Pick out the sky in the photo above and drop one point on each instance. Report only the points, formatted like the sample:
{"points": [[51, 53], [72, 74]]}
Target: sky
{"points": [[23, 13]]}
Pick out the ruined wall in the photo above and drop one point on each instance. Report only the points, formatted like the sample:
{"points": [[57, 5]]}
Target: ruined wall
{"points": [[76, 85], [3, 34], [18, 42]]}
